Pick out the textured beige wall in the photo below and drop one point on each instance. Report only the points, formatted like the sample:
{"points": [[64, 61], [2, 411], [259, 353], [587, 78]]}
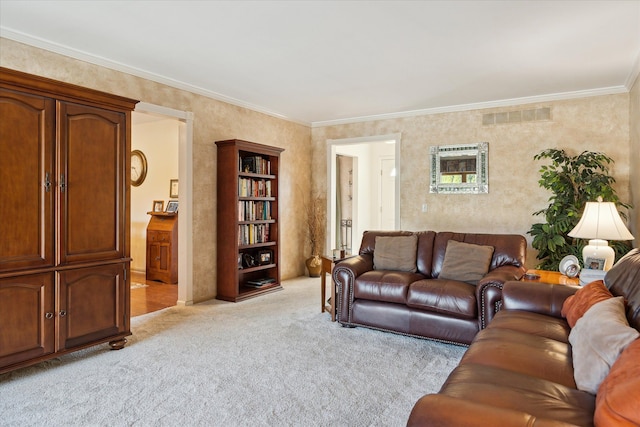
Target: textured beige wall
{"points": [[213, 121], [634, 179], [596, 123]]}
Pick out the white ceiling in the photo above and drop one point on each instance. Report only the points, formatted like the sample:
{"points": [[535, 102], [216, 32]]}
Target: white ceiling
{"points": [[321, 62]]}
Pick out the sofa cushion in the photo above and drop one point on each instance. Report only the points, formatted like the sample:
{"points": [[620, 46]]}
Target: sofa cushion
{"points": [[597, 340], [522, 352], [384, 285], [466, 262], [619, 394], [621, 279], [494, 386], [395, 253], [577, 304], [444, 296], [532, 323]]}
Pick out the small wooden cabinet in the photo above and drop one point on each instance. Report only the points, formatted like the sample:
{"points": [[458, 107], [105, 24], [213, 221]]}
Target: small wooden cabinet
{"points": [[248, 250], [162, 247], [64, 234]]}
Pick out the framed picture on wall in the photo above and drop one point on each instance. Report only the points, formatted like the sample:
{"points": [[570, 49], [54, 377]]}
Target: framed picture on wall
{"points": [[158, 205], [172, 206], [173, 188]]}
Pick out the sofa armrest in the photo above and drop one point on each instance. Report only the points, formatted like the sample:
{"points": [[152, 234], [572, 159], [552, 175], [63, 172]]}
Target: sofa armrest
{"points": [[442, 410], [489, 291], [344, 275], [543, 298]]}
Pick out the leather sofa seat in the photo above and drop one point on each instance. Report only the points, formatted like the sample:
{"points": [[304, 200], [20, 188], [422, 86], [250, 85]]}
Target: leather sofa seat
{"points": [[444, 296]]}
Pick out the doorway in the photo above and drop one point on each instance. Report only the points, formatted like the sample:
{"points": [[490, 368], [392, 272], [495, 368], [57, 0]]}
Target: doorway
{"points": [[182, 121], [375, 191]]}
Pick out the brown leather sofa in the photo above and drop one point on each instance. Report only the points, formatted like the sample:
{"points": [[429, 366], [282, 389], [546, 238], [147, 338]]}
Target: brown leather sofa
{"points": [[420, 303], [519, 371]]}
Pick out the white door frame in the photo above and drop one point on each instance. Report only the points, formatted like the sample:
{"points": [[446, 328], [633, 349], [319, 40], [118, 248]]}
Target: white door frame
{"points": [[185, 197], [331, 179]]}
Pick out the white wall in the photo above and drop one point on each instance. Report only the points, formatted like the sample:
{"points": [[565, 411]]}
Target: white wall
{"points": [[158, 140]]}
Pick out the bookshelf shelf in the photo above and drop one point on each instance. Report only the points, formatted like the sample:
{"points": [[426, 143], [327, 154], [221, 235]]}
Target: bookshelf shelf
{"points": [[248, 238]]}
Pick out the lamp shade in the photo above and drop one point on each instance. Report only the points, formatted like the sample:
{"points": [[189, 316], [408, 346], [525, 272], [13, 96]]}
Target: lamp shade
{"points": [[601, 220]]}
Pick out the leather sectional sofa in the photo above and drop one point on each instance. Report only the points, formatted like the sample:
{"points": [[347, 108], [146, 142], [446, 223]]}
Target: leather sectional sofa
{"points": [[397, 282], [550, 359]]}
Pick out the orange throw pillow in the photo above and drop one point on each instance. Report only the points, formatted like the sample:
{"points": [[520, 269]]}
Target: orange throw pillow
{"points": [[577, 304], [619, 394]]}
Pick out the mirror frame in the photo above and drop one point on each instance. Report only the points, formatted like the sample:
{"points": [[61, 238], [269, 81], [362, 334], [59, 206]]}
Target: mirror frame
{"points": [[450, 152]]}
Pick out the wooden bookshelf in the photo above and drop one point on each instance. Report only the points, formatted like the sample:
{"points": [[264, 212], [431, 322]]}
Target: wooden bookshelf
{"points": [[248, 238]]}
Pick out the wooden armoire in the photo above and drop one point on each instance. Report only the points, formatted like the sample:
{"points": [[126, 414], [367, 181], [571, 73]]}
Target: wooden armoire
{"points": [[64, 222]]}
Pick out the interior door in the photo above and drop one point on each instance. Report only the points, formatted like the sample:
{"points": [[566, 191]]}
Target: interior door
{"points": [[387, 194]]}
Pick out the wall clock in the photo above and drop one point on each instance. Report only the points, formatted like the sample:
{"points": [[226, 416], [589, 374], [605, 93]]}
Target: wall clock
{"points": [[138, 167]]}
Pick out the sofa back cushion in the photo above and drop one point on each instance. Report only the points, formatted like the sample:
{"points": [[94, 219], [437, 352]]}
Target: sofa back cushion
{"points": [[624, 280], [424, 252], [597, 340], [509, 249], [619, 394], [396, 253], [575, 306], [466, 262]]}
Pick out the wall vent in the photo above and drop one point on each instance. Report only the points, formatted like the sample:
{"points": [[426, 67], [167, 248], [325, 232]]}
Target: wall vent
{"points": [[519, 116]]}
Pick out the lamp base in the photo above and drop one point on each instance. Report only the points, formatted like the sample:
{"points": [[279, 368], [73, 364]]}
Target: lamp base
{"points": [[598, 255]]}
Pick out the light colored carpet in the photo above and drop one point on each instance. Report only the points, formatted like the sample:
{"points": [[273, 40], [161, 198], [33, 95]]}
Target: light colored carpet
{"points": [[269, 361]]}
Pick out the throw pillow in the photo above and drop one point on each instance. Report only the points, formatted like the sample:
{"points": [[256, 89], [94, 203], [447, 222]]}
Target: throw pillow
{"points": [[597, 340], [619, 394], [576, 305], [395, 253], [466, 262]]}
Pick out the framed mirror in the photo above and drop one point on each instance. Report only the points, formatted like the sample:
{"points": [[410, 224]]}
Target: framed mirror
{"points": [[460, 169]]}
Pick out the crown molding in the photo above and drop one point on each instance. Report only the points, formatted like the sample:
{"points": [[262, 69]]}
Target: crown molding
{"points": [[117, 66], [478, 106]]}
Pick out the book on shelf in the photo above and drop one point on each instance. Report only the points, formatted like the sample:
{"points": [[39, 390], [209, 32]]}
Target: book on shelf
{"points": [[258, 283], [255, 164], [249, 234], [248, 187]]}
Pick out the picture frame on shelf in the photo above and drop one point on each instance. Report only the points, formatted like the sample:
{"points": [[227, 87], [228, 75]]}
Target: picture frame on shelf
{"points": [[592, 263], [173, 188], [265, 257], [158, 205], [172, 206], [249, 261]]}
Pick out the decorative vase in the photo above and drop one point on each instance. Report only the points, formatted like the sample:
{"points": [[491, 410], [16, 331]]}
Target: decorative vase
{"points": [[314, 265]]}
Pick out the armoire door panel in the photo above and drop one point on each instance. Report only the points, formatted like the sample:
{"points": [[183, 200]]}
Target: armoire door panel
{"points": [[26, 175], [27, 318], [92, 304], [91, 160]]}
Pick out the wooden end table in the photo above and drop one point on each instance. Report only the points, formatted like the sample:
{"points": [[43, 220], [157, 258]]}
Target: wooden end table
{"points": [[553, 277], [328, 263]]}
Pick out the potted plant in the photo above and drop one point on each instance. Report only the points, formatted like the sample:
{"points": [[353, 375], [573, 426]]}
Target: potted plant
{"points": [[316, 223], [573, 181]]}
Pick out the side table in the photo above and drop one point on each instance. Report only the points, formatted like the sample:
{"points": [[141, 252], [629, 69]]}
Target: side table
{"points": [[328, 262], [553, 277]]}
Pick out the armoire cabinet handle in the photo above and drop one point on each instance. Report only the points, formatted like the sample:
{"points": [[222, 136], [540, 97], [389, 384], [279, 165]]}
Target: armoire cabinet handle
{"points": [[48, 315], [63, 313], [47, 182]]}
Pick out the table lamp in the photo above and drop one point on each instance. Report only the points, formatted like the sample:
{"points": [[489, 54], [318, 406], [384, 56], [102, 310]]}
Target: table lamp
{"points": [[600, 222]]}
